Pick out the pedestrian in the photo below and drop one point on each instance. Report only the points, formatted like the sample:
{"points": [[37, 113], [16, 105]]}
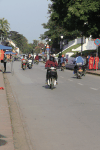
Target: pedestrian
{"points": [[4, 62], [59, 60]]}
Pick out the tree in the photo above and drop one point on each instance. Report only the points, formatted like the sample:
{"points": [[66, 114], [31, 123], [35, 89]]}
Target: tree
{"points": [[72, 14], [39, 48], [35, 43], [4, 27], [55, 30], [30, 48], [19, 40]]}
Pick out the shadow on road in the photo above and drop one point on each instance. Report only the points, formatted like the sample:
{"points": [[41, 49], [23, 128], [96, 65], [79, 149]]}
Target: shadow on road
{"points": [[2, 136], [73, 77], [47, 87], [2, 142], [7, 72]]}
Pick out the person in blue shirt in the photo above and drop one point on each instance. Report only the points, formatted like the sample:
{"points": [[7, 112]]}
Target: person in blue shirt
{"points": [[78, 61]]}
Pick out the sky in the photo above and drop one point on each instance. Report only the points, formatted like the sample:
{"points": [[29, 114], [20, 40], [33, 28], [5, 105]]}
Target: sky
{"points": [[25, 16]]}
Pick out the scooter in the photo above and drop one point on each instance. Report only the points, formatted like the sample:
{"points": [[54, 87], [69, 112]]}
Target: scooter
{"points": [[23, 64], [36, 62], [62, 66], [80, 71], [29, 65]]}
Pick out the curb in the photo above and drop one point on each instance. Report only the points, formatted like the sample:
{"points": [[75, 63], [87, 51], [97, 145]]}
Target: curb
{"points": [[6, 138], [87, 72]]}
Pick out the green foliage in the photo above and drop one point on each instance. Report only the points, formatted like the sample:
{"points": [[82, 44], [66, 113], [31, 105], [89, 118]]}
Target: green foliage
{"points": [[72, 14], [35, 43], [39, 48], [19, 40], [55, 30], [4, 27]]}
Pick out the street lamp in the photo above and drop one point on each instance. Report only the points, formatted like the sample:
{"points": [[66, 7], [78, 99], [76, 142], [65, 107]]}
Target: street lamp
{"points": [[61, 43], [49, 46], [81, 43], [85, 23]]}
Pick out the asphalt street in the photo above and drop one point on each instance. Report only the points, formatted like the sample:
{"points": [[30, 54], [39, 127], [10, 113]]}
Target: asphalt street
{"points": [[66, 118]]}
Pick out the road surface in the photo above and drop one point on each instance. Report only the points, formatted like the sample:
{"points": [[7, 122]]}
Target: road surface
{"points": [[66, 118]]}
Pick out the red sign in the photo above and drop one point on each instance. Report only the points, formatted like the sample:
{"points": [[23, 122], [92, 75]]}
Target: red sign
{"points": [[96, 62], [1, 54], [91, 61]]}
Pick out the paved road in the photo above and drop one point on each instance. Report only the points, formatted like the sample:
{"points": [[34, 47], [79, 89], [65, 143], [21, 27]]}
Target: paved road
{"points": [[66, 118]]}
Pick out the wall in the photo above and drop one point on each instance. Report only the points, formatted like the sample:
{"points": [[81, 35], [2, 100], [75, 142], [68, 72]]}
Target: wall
{"points": [[89, 45]]}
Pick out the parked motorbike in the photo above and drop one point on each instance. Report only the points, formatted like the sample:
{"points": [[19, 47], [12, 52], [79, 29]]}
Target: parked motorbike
{"points": [[29, 65], [52, 77]]}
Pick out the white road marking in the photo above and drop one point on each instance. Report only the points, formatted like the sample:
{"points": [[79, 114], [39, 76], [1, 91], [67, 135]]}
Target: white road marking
{"points": [[80, 83], [93, 88], [70, 80], [61, 77]]}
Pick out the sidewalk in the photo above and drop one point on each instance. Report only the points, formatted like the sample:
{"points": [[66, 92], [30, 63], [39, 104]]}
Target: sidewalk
{"points": [[94, 72], [6, 136]]}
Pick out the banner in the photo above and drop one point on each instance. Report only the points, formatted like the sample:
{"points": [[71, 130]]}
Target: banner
{"points": [[1, 54], [96, 61], [91, 62]]}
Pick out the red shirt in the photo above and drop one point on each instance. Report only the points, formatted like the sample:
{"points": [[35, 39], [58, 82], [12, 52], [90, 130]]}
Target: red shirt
{"points": [[37, 58], [49, 63]]}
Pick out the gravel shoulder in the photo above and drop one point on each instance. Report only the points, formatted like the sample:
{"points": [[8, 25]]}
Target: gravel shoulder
{"points": [[20, 135]]}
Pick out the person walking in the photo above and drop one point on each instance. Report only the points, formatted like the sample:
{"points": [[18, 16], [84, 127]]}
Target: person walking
{"points": [[4, 62]]}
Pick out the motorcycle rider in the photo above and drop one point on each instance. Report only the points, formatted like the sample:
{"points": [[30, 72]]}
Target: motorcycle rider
{"points": [[22, 61], [51, 63], [37, 57], [30, 58], [79, 60], [62, 60]]}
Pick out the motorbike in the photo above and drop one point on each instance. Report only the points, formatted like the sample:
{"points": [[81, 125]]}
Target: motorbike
{"points": [[29, 64], [36, 62], [80, 71], [24, 64], [62, 66], [52, 78]]}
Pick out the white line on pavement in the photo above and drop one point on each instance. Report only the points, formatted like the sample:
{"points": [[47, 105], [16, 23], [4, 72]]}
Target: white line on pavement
{"points": [[93, 88], [61, 77], [70, 80], [80, 83]]}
